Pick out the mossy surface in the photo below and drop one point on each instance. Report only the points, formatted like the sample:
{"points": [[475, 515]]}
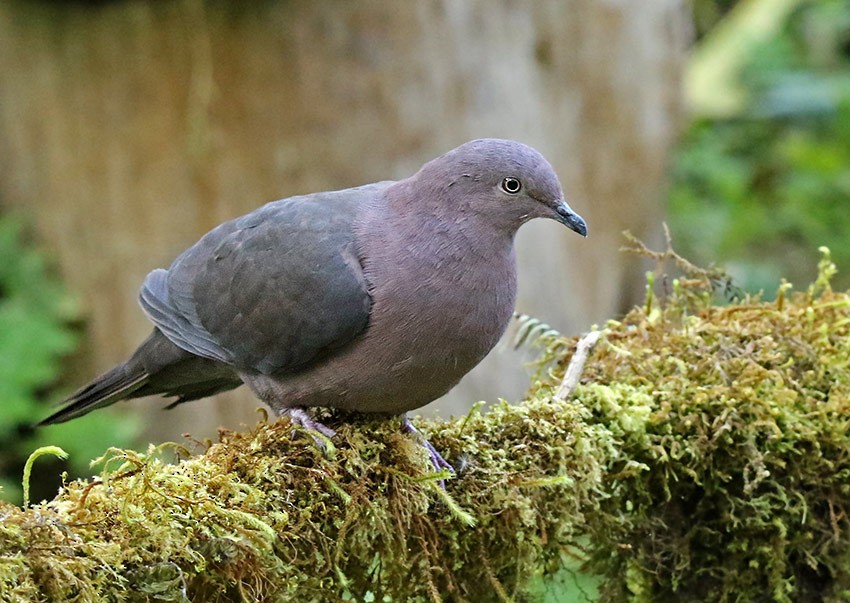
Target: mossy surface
{"points": [[728, 472], [266, 516], [705, 455]]}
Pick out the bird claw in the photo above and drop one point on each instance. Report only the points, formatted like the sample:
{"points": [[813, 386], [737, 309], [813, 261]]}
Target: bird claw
{"points": [[299, 416], [323, 434], [436, 459]]}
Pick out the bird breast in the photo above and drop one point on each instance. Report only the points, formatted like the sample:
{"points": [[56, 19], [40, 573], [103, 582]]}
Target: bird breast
{"points": [[441, 299], [442, 295]]}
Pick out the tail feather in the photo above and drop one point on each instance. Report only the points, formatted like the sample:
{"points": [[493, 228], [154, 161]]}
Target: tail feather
{"points": [[114, 385], [157, 367]]}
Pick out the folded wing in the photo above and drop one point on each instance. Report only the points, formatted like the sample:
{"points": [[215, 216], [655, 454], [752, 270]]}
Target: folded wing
{"points": [[270, 291]]}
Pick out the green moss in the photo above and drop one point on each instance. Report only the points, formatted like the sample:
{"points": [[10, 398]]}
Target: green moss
{"points": [[704, 456], [265, 516], [728, 474]]}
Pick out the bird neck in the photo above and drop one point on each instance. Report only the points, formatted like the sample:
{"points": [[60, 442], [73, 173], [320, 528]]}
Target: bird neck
{"points": [[429, 235], [436, 270], [435, 212]]}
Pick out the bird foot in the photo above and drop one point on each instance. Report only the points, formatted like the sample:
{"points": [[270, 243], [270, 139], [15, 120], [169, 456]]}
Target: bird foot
{"points": [[299, 416], [438, 461]]}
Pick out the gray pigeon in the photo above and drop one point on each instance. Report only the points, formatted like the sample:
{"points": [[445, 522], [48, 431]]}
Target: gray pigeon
{"points": [[376, 299]]}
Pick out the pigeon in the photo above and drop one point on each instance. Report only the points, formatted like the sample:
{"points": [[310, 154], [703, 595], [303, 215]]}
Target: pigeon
{"points": [[375, 299]]}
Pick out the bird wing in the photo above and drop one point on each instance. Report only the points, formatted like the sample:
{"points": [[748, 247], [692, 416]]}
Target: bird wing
{"points": [[271, 290]]}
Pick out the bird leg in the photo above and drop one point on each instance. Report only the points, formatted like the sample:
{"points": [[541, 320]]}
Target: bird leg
{"points": [[439, 462], [299, 416]]}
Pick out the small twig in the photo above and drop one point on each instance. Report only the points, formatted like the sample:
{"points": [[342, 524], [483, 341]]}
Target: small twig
{"points": [[99, 482], [576, 366]]}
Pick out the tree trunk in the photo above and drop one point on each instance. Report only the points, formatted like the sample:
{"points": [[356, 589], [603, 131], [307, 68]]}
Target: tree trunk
{"points": [[128, 129]]}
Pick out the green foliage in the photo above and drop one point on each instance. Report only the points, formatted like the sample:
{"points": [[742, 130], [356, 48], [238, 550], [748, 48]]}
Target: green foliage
{"points": [[707, 13], [35, 314], [33, 336], [758, 190]]}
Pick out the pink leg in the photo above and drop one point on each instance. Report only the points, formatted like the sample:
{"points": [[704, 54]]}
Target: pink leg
{"points": [[438, 461], [299, 416]]}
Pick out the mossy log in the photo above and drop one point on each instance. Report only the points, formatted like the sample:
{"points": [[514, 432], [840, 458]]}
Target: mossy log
{"points": [[705, 455], [267, 516]]}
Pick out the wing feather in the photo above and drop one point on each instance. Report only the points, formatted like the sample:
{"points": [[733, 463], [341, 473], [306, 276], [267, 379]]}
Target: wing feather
{"points": [[272, 290], [192, 337]]}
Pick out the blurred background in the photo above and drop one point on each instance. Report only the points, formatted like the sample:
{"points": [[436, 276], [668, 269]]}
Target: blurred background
{"points": [[129, 128]]}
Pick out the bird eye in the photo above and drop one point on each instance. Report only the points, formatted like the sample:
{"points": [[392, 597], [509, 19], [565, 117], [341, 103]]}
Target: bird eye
{"points": [[511, 185]]}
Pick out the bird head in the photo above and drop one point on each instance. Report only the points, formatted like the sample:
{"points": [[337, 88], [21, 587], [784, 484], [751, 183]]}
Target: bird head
{"points": [[502, 181]]}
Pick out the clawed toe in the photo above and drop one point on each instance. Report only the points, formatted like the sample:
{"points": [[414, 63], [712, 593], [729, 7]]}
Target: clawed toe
{"points": [[300, 417], [323, 434], [436, 459]]}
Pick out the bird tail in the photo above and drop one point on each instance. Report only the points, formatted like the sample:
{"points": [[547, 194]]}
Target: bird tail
{"points": [[114, 385]]}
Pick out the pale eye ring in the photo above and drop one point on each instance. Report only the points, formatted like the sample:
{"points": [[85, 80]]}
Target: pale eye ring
{"points": [[511, 185]]}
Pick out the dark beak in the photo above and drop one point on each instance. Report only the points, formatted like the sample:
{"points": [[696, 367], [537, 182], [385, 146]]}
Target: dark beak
{"points": [[566, 216]]}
